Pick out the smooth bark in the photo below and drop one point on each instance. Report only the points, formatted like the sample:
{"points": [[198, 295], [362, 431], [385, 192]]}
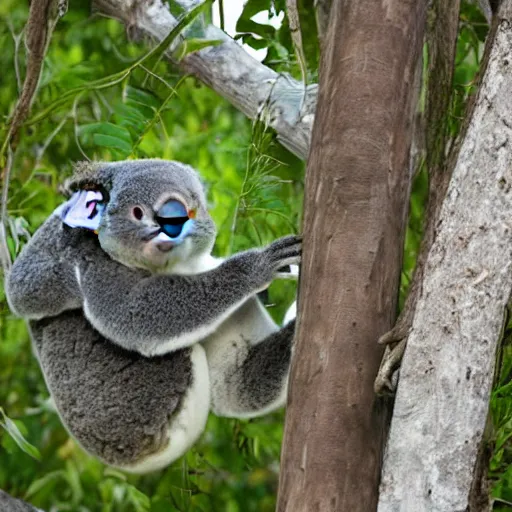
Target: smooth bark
{"points": [[357, 188], [434, 455]]}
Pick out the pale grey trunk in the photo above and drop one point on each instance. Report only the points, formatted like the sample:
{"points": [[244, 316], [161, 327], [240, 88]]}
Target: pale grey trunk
{"points": [[447, 372]]}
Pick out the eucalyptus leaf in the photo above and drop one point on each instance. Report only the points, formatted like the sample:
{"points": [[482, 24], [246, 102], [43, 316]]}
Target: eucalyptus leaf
{"points": [[112, 130], [109, 141], [41, 483], [12, 429], [191, 45]]}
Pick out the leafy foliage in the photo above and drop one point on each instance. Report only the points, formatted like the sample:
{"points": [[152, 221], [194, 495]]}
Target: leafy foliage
{"points": [[102, 97], [501, 413]]}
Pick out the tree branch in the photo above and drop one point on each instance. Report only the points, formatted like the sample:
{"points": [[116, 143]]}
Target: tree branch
{"points": [[42, 18], [259, 92], [10, 504], [441, 408]]}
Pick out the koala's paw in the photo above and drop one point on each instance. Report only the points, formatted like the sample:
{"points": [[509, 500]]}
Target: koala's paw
{"points": [[281, 253], [261, 266]]}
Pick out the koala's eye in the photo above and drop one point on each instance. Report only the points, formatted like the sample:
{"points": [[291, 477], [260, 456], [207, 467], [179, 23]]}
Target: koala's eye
{"points": [[137, 212], [172, 217]]}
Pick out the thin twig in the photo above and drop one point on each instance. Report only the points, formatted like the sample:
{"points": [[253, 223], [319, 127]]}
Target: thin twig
{"points": [[221, 14], [5, 255], [42, 18], [16, 38]]}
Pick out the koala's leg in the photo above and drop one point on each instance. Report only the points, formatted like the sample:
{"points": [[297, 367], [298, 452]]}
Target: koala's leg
{"points": [[132, 412], [188, 424], [249, 377]]}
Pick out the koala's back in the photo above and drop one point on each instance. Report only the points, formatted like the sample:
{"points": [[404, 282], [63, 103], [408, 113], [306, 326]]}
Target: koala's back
{"points": [[117, 404]]}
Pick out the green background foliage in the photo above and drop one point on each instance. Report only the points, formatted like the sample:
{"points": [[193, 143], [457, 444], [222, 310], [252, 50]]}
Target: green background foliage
{"points": [[97, 101]]}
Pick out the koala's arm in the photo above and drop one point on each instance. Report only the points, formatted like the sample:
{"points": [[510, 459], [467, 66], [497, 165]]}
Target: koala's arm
{"points": [[155, 314], [41, 283]]}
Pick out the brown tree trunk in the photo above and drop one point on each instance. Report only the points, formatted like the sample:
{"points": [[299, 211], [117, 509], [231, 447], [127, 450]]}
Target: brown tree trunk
{"points": [[355, 209]]}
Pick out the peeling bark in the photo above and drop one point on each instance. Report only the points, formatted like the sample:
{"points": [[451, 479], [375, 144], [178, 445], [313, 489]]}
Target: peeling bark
{"points": [[441, 408], [258, 91]]}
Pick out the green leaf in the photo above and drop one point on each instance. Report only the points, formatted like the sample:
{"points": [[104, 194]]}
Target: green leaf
{"points": [[139, 500], [111, 142], [253, 7], [194, 45], [141, 96], [42, 482], [17, 436], [253, 42], [250, 26], [109, 129], [129, 116]]}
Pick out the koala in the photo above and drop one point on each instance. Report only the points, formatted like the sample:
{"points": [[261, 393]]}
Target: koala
{"points": [[138, 329]]}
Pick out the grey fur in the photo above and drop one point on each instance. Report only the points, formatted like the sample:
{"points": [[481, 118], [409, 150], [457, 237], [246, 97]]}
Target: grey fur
{"points": [[264, 369], [116, 403], [103, 308], [141, 311], [42, 281]]}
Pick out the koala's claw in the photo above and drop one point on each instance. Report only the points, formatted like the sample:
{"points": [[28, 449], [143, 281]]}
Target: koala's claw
{"points": [[285, 251]]}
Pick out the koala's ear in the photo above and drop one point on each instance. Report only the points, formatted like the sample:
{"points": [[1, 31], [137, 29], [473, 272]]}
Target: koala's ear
{"points": [[89, 176], [83, 210]]}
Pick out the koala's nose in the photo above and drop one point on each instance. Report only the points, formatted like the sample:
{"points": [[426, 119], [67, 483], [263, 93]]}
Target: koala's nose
{"points": [[163, 243]]}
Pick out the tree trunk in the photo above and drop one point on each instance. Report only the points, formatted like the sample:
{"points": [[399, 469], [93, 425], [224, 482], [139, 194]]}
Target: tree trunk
{"points": [[355, 208], [10, 504], [433, 460]]}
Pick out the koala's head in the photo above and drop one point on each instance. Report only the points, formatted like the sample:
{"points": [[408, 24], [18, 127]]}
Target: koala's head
{"points": [[152, 212]]}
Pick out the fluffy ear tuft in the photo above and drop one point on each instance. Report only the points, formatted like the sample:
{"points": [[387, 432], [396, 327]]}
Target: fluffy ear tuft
{"points": [[88, 176]]}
